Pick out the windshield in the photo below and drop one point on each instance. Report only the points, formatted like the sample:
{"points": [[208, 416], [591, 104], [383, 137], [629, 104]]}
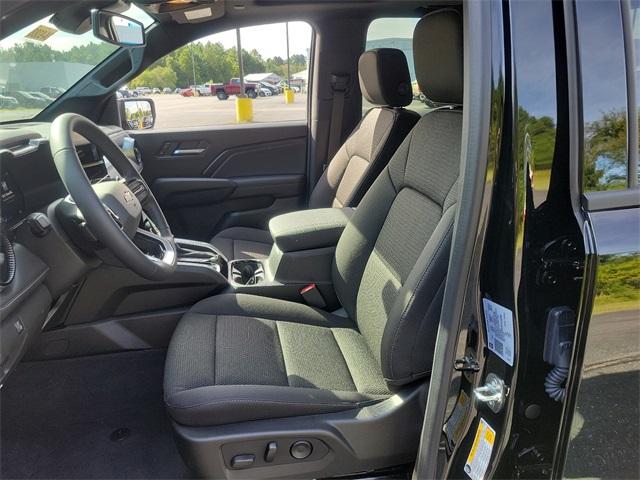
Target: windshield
{"points": [[39, 63]]}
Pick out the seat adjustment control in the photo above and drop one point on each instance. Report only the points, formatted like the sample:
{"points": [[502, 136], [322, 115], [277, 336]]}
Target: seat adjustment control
{"points": [[243, 461], [301, 449], [270, 452]]}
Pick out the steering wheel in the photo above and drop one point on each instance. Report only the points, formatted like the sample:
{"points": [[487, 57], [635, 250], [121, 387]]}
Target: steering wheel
{"points": [[113, 210]]}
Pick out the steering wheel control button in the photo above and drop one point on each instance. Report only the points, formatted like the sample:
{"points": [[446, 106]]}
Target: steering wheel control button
{"points": [[301, 449], [243, 461], [39, 224], [270, 452]]}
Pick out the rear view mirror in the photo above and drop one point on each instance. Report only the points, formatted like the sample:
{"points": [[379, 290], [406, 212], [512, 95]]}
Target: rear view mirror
{"points": [[137, 114], [117, 29]]}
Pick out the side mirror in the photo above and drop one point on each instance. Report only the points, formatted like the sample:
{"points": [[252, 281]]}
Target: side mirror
{"points": [[117, 29], [137, 113]]}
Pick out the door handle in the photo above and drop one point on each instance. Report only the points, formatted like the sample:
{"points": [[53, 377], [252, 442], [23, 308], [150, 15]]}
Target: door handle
{"points": [[188, 151]]}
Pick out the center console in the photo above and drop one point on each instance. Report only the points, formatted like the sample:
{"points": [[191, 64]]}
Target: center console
{"points": [[299, 265], [192, 253]]}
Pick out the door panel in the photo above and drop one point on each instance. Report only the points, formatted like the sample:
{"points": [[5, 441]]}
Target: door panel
{"points": [[239, 175]]}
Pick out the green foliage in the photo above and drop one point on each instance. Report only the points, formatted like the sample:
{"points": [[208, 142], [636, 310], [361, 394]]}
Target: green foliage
{"points": [[159, 77], [211, 61], [618, 280], [606, 139], [90, 54], [542, 132]]}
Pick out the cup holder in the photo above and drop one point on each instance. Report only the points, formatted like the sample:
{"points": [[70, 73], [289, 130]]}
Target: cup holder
{"points": [[247, 272]]}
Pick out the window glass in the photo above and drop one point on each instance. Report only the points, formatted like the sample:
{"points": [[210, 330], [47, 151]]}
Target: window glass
{"points": [[38, 63], [397, 33], [635, 22], [196, 85], [604, 94]]}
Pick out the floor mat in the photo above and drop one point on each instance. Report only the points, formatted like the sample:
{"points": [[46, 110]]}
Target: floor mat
{"points": [[58, 418]]}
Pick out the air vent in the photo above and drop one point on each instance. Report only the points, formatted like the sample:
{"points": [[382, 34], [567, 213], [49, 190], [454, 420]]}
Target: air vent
{"points": [[7, 261]]}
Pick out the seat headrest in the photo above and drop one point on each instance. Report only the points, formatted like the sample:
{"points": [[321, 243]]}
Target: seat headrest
{"points": [[438, 56], [384, 77]]}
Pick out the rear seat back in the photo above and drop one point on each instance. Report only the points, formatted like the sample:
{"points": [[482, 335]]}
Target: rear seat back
{"points": [[384, 82]]}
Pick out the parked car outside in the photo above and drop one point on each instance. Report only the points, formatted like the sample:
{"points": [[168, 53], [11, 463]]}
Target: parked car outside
{"points": [[41, 95], [142, 91], [25, 99], [8, 103], [224, 90], [166, 90], [274, 89], [53, 92]]}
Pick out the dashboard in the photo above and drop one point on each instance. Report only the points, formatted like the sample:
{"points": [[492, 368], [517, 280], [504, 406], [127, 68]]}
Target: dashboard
{"points": [[38, 266], [29, 180]]}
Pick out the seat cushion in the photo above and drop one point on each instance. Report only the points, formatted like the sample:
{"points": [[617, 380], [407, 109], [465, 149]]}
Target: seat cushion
{"points": [[243, 242], [237, 357]]}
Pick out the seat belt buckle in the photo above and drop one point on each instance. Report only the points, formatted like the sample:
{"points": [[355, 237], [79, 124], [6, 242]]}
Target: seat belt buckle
{"points": [[312, 296], [339, 82]]}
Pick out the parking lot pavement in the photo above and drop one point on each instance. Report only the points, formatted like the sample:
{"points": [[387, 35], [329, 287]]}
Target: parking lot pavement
{"points": [[176, 111]]}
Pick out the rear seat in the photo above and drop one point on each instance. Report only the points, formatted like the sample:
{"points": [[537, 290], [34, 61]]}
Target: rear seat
{"points": [[385, 82]]}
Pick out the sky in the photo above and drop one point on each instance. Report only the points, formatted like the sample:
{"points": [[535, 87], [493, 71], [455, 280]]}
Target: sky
{"points": [[63, 41], [269, 40], [391, 28]]}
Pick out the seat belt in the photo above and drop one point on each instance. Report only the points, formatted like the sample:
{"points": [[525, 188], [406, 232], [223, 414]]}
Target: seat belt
{"points": [[339, 87]]}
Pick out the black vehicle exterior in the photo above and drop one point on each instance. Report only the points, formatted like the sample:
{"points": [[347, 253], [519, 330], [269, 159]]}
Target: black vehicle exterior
{"points": [[562, 237], [558, 241]]}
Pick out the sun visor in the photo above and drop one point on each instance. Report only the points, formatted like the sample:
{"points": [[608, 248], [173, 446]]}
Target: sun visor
{"points": [[76, 19]]}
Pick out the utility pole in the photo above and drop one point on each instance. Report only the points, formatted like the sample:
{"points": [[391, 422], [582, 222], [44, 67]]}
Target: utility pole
{"points": [[239, 46], [288, 60], [193, 65]]}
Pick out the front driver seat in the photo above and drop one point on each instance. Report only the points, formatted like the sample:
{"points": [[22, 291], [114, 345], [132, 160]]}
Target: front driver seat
{"points": [[385, 82], [260, 387]]}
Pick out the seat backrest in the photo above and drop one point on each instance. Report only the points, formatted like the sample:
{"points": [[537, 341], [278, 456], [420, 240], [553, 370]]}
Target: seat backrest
{"points": [[385, 81], [392, 259]]}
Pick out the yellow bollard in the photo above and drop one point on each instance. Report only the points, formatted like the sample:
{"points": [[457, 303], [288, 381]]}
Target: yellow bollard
{"points": [[289, 95], [244, 110]]}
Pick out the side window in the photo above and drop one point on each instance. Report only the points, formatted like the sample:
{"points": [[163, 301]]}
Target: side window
{"points": [[605, 111], [397, 33], [196, 85], [635, 39]]}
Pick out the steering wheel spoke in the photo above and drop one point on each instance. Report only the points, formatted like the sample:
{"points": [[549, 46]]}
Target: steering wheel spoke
{"points": [[155, 246], [139, 189], [113, 210]]}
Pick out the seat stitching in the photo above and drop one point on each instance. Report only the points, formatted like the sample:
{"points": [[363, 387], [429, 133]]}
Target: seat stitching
{"points": [[415, 344], [410, 302], [284, 361], [277, 402], [373, 158], [344, 359], [284, 355], [215, 349]]}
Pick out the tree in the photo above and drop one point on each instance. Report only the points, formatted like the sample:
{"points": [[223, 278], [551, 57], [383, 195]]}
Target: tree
{"points": [[605, 152], [156, 77], [298, 59]]}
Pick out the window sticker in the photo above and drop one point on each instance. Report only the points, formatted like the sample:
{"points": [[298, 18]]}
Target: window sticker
{"points": [[41, 33], [499, 322], [480, 454], [453, 429]]}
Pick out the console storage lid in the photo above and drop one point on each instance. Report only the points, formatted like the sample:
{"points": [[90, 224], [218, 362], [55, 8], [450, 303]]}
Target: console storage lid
{"points": [[309, 229]]}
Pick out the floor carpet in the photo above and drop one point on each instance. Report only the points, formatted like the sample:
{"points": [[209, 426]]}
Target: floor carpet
{"points": [[91, 417]]}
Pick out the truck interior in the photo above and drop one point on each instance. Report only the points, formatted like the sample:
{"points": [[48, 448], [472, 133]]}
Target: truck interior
{"points": [[259, 300]]}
